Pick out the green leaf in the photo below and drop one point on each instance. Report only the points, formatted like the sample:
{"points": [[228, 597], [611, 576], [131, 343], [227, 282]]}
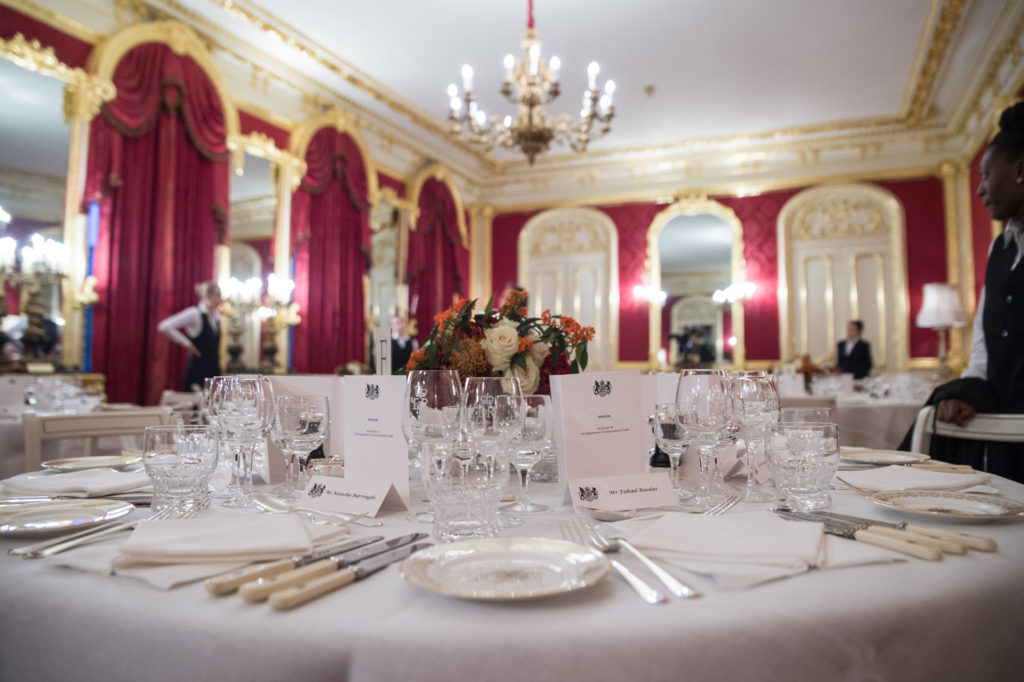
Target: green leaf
{"points": [[519, 360], [581, 356], [490, 306]]}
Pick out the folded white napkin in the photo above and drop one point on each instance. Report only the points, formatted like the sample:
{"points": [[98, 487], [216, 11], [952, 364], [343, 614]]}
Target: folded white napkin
{"points": [[105, 557], [743, 550], [232, 537], [88, 483], [909, 478]]}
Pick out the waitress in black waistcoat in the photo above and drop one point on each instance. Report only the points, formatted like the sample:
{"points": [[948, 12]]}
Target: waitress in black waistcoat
{"points": [[197, 328]]}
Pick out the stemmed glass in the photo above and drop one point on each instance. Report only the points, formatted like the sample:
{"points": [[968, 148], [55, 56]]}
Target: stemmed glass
{"points": [[671, 438], [755, 403], [532, 445], [430, 419], [806, 414], [242, 406], [301, 423], [493, 415], [702, 402]]}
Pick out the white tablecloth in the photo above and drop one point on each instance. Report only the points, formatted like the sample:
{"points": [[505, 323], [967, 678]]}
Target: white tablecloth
{"points": [[877, 424], [957, 619]]}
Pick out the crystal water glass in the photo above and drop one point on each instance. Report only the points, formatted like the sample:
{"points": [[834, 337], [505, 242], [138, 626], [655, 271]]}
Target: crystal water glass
{"points": [[180, 459], [704, 411], [530, 448], [242, 406], [755, 404], [301, 424], [430, 422], [804, 457]]}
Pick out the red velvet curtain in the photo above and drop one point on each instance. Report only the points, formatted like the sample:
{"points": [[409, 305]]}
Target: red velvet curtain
{"points": [[437, 269], [158, 166], [330, 240]]}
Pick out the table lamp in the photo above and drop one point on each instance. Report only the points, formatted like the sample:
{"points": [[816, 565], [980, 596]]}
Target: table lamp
{"points": [[941, 311]]}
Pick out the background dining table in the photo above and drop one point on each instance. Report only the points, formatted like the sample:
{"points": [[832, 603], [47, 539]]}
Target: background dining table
{"points": [[960, 618]]}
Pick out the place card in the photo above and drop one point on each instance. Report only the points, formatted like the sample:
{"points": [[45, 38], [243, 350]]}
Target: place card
{"points": [[602, 424], [375, 447], [623, 493], [348, 496]]}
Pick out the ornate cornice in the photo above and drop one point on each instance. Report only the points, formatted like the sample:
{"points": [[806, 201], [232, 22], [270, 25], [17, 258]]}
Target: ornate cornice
{"points": [[85, 93], [260, 145], [949, 18]]}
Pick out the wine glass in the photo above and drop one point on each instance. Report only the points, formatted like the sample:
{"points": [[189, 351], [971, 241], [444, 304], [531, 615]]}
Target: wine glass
{"points": [[702, 404], [300, 426], [532, 445], [493, 416], [755, 402], [430, 421], [806, 414], [671, 438], [243, 407]]}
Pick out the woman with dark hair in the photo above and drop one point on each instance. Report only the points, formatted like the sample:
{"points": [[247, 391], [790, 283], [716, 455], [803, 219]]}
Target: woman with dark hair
{"points": [[197, 328], [994, 378]]}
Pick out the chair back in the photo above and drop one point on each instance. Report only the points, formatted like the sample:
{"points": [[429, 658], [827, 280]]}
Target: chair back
{"points": [[1003, 428], [180, 401], [90, 426]]}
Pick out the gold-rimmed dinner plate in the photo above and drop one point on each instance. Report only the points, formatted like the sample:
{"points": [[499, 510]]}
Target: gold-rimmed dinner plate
{"points": [[864, 456], [69, 464], [45, 518], [949, 504], [505, 569]]}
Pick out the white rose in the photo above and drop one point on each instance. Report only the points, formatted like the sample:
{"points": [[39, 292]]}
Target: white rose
{"points": [[529, 378], [539, 351], [501, 342]]}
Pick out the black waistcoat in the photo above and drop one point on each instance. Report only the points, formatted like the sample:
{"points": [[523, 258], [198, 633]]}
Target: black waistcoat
{"points": [[1003, 322]]}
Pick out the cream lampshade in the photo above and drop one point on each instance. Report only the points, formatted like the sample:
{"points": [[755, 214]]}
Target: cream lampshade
{"points": [[940, 311]]}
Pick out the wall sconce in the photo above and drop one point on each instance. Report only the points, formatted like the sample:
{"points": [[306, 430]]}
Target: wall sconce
{"points": [[43, 261], [648, 295], [243, 298], [277, 312], [737, 291]]}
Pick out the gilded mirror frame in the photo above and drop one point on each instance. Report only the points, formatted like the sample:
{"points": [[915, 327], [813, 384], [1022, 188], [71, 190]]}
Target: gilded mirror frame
{"points": [[692, 205]]}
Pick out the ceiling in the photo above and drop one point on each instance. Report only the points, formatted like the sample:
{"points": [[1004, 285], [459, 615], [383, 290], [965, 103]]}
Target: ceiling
{"points": [[722, 69]]}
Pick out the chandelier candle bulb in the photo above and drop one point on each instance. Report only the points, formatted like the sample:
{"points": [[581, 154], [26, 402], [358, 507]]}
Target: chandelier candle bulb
{"points": [[534, 59], [556, 66], [593, 68], [467, 78]]}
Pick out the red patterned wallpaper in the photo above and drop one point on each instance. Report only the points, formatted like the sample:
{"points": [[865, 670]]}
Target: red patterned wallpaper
{"points": [[388, 181], [250, 123], [981, 225], [505, 231]]}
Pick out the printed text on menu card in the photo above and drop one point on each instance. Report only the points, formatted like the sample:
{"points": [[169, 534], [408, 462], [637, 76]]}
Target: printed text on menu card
{"points": [[375, 447]]}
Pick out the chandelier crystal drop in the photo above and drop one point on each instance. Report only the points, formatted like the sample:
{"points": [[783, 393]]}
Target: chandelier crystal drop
{"points": [[530, 83]]}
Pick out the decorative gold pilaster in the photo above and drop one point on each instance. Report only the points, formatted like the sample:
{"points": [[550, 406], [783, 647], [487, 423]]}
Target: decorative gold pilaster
{"points": [[480, 253], [948, 171]]}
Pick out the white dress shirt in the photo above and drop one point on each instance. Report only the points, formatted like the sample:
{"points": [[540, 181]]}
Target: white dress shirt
{"points": [[186, 325]]}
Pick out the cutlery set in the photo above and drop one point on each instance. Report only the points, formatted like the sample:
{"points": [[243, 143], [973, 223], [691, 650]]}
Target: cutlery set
{"points": [[291, 582], [923, 542]]}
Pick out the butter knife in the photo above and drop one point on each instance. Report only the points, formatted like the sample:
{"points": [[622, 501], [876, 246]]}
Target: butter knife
{"points": [[300, 594], [869, 536], [229, 582], [261, 589], [978, 542]]}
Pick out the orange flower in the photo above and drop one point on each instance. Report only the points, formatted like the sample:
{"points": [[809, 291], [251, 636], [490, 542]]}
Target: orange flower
{"points": [[545, 316], [524, 343], [418, 357], [441, 319]]}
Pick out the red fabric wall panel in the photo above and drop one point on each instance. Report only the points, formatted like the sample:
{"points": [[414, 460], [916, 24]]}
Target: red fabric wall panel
{"points": [[68, 49], [264, 247], [926, 250], [981, 226], [388, 181], [505, 231], [250, 123]]}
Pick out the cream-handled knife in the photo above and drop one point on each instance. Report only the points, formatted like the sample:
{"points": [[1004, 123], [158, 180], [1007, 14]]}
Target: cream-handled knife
{"points": [[261, 589], [852, 531], [300, 594], [978, 542], [229, 582]]}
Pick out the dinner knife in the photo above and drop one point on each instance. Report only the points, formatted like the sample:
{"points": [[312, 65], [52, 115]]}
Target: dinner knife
{"points": [[851, 531], [947, 546], [978, 542], [262, 588], [300, 594], [229, 582]]}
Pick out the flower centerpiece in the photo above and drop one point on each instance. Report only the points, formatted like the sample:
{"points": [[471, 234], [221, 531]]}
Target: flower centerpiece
{"points": [[504, 342]]}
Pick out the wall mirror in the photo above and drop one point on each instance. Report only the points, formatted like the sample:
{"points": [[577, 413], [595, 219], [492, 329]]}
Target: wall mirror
{"points": [[253, 212], [34, 142], [386, 299]]}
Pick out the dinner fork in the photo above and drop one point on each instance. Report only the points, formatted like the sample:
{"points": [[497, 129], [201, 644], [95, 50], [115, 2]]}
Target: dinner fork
{"points": [[573, 530], [608, 544], [723, 506], [43, 549]]}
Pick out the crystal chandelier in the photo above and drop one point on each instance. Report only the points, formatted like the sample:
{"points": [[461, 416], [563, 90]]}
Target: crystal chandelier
{"points": [[530, 84]]}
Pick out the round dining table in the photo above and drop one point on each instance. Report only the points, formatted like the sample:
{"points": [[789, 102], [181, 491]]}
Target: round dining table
{"points": [[960, 618]]}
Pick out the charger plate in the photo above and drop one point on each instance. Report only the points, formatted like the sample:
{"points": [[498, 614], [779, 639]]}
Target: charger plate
{"points": [[505, 569], [950, 505], [881, 456], [45, 518]]}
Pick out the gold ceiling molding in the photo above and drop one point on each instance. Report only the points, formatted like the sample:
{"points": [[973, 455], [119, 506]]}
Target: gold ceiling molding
{"points": [[104, 58], [443, 174], [259, 144], [85, 93], [949, 19]]}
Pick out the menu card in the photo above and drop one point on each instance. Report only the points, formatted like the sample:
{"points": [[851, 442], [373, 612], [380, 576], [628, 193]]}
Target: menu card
{"points": [[602, 424], [375, 447]]}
